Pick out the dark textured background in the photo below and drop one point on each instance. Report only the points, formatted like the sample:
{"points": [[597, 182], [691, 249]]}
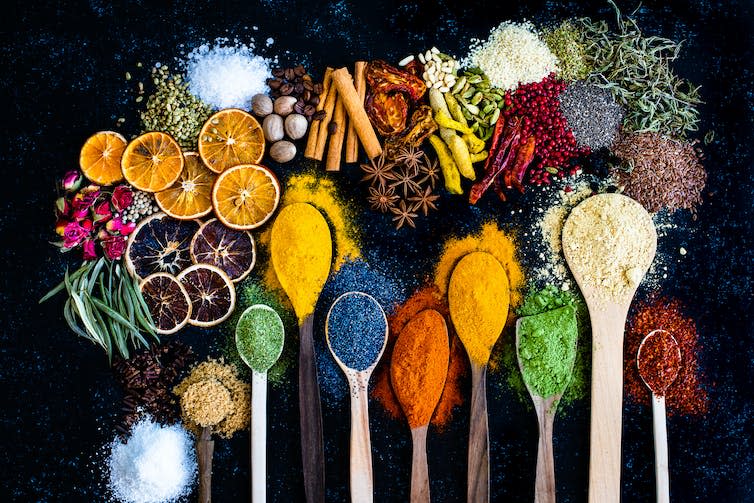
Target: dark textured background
{"points": [[62, 79]]}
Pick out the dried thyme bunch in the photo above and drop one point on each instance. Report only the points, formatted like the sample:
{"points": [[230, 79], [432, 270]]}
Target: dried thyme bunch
{"points": [[636, 69]]}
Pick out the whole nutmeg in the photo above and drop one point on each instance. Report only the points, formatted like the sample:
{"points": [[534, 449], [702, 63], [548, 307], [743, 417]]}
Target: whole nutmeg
{"points": [[296, 126], [282, 151], [284, 105], [272, 126], [261, 105]]}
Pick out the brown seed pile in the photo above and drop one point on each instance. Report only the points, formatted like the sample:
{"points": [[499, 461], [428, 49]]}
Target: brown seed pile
{"points": [[203, 402], [147, 379], [661, 172], [299, 84]]}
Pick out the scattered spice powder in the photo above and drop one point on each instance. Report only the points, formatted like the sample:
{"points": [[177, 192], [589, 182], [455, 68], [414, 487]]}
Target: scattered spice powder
{"points": [[658, 361], [211, 376], [687, 395], [419, 366], [662, 172], [427, 297]]}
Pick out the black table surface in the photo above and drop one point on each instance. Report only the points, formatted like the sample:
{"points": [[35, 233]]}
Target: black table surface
{"points": [[63, 67]]}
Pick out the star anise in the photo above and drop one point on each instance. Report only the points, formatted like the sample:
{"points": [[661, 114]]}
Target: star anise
{"points": [[424, 201], [382, 199], [431, 172], [378, 171], [404, 215], [405, 180], [410, 157]]}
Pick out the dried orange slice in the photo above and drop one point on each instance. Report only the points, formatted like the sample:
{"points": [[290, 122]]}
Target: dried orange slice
{"points": [[168, 302], [212, 294], [152, 162], [229, 138], [190, 196], [231, 250], [246, 196], [100, 157], [160, 244]]}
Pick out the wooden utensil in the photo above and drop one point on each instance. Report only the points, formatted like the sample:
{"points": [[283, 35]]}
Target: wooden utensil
{"points": [[303, 283], [608, 319], [466, 276], [205, 448], [407, 366], [362, 484], [259, 363], [659, 426], [545, 407]]}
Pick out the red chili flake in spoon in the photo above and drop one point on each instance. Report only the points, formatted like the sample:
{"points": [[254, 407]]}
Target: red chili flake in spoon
{"points": [[658, 360]]}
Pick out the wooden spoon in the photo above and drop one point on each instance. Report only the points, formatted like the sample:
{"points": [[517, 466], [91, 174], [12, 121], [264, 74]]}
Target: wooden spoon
{"points": [[358, 380], [259, 349], [301, 256], [205, 448], [659, 425], [465, 283], [423, 338], [545, 407], [597, 228]]}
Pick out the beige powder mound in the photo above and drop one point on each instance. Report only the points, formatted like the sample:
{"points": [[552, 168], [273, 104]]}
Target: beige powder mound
{"points": [[610, 241]]}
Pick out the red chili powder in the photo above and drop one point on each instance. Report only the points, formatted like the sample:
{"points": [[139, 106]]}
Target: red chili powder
{"points": [[659, 361], [427, 297], [687, 395]]}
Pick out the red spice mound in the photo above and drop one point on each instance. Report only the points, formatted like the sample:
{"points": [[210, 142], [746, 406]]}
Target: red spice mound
{"points": [[687, 395], [427, 297]]}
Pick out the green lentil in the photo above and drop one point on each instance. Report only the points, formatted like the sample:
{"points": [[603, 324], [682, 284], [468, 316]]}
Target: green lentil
{"points": [[547, 350], [259, 337], [172, 109]]}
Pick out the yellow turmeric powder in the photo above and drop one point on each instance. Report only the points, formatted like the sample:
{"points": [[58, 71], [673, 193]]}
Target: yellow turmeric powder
{"points": [[301, 253], [479, 297]]}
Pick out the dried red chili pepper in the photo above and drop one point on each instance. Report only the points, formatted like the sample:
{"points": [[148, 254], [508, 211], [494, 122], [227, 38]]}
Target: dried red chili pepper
{"points": [[514, 176], [385, 78], [387, 112]]}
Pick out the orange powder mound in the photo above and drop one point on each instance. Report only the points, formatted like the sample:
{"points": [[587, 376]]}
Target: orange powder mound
{"points": [[428, 297]]}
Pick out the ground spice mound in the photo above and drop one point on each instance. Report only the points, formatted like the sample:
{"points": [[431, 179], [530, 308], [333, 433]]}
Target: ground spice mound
{"points": [[428, 297], [687, 395], [217, 371], [662, 172]]}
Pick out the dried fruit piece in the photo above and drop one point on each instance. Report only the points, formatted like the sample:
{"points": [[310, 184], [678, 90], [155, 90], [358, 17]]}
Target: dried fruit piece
{"points": [[212, 294], [152, 162], [246, 196], [160, 244], [191, 195], [168, 302], [100, 157], [231, 250], [229, 138]]}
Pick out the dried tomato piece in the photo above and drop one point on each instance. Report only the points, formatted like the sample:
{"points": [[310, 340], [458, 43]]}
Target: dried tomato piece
{"points": [[422, 125], [384, 78], [387, 112]]}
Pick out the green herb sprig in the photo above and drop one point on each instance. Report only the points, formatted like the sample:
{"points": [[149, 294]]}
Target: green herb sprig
{"points": [[105, 306], [636, 69]]}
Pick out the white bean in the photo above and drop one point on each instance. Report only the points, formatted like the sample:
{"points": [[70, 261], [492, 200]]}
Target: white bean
{"points": [[428, 55], [405, 61], [444, 89], [437, 84], [435, 50], [421, 58]]}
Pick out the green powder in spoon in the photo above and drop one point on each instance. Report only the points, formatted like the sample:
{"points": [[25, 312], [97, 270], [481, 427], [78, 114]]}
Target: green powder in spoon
{"points": [[547, 350], [259, 337]]}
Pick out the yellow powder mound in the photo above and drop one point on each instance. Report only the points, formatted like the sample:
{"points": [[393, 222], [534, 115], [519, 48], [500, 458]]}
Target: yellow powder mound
{"points": [[321, 193]]}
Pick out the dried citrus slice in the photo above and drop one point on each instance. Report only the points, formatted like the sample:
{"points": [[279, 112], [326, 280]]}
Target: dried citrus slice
{"points": [[100, 157], [190, 196], [231, 250], [152, 161], [212, 294], [246, 196], [229, 138], [160, 244], [168, 302]]}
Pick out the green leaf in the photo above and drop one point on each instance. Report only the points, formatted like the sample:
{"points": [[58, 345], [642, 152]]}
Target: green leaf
{"points": [[113, 314], [68, 314]]}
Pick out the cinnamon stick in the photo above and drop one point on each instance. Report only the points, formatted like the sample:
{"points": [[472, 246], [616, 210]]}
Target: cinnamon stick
{"points": [[335, 147], [352, 143], [311, 140], [341, 80], [329, 107]]}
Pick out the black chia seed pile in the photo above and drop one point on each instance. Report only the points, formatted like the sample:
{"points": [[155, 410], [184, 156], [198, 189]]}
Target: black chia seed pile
{"points": [[592, 114]]}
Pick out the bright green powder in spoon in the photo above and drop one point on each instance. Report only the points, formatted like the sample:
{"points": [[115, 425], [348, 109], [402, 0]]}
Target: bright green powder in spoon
{"points": [[547, 348], [259, 337]]}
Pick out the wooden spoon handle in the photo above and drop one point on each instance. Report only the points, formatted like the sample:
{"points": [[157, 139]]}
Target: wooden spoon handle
{"points": [[607, 404], [419, 468], [361, 447], [258, 437], [544, 489], [310, 411], [205, 447], [661, 449], [478, 490]]}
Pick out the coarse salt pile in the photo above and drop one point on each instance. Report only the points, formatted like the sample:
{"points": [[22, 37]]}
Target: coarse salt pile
{"points": [[226, 76], [156, 464], [513, 54]]}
